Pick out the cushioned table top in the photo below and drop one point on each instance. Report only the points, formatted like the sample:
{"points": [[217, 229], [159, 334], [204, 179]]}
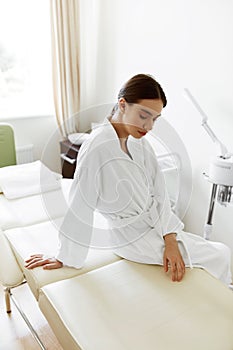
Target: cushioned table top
{"points": [[31, 226], [131, 306], [43, 238]]}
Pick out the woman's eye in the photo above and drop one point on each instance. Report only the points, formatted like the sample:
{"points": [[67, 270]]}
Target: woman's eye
{"points": [[142, 117]]}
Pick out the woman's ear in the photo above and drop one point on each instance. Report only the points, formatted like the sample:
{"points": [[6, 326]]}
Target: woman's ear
{"points": [[121, 104]]}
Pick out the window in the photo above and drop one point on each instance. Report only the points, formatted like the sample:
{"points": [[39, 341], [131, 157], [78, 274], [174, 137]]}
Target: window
{"points": [[25, 58]]}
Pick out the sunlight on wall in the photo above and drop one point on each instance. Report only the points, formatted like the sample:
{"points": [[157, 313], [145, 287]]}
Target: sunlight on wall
{"points": [[25, 58]]}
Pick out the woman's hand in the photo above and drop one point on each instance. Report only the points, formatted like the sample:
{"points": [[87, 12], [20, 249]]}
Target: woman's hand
{"points": [[42, 260], [173, 258]]}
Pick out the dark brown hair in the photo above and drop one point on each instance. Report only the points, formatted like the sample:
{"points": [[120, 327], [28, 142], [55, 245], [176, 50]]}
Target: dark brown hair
{"points": [[140, 87]]}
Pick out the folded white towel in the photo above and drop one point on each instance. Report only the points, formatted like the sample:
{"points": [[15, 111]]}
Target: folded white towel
{"points": [[27, 179]]}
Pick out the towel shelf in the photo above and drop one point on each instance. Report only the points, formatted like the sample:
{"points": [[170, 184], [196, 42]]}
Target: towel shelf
{"points": [[67, 159], [68, 154]]}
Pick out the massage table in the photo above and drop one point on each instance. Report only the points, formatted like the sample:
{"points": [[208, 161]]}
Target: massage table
{"points": [[111, 303], [30, 225]]}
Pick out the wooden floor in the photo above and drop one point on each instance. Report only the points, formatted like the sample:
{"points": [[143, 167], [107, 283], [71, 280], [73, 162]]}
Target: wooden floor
{"points": [[14, 333]]}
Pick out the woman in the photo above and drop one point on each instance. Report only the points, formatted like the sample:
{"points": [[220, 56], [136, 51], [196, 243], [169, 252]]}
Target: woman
{"points": [[118, 174]]}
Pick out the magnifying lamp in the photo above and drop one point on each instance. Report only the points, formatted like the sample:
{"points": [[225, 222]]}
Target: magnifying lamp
{"points": [[220, 171]]}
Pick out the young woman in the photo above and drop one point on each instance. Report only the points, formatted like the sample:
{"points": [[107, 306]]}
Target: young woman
{"points": [[118, 174]]}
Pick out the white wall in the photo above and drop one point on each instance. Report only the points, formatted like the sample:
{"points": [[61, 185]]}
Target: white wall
{"points": [[183, 44], [43, 133]]}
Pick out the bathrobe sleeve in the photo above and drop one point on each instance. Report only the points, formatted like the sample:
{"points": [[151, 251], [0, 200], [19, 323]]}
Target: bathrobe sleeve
{"points": [[76, 230], [170, 223], [169, 220]]}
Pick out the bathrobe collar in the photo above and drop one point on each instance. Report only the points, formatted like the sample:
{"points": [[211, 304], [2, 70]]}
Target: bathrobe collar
{"points": [[135, 146]]}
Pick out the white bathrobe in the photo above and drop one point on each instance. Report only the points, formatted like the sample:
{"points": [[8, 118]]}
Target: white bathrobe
{"points": [[129, 190]]}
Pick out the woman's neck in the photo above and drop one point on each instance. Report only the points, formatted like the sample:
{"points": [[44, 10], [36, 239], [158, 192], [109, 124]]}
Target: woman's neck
{"points": [[119, 126], [117, 123]]}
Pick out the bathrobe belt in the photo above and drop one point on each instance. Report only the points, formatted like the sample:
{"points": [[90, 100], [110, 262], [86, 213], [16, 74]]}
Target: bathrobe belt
{"points": [[150, 216], [152, 220]]}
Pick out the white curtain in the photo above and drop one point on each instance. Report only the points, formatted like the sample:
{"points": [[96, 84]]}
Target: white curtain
{"points": [[66, 63], [99, 42], [89, 33]]}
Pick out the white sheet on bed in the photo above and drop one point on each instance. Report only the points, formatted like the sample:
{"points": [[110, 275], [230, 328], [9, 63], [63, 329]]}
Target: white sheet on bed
{"points": [[23, 180], [33, 209]]}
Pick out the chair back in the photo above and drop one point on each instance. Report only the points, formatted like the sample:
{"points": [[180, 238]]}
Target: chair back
{"points": [[7, 145]]}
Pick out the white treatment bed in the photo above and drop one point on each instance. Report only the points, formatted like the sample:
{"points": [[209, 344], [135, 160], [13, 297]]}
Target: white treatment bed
{"points": [[111, 303], [30, 225]]}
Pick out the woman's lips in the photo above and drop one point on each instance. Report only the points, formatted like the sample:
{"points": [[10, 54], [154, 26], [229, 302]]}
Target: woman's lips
{"points": [[143, 133]]}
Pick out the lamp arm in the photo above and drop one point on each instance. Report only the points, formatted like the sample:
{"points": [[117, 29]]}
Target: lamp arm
{"points": [[200, 110], [224, 152], [223, 149]]}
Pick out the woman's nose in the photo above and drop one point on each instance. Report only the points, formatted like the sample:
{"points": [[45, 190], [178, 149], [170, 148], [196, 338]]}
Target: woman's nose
{"points": [[148, 125]]}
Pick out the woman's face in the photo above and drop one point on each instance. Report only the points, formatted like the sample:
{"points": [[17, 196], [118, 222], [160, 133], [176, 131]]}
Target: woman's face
{"points": [[139, 118]]}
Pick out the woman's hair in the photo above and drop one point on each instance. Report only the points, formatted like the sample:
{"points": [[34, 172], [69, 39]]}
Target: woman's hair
{"points": [[141, 87]]}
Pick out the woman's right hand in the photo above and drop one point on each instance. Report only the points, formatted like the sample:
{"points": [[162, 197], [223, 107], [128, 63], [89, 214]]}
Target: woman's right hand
{"points": [[42, 260]]}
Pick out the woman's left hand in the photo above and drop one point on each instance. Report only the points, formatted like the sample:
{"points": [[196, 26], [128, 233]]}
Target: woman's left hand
{"points": [[172, 258], [37, 260]]}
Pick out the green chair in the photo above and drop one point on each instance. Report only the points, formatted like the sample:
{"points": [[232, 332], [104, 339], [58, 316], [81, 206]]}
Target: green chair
{"points": [[7, 145]]}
